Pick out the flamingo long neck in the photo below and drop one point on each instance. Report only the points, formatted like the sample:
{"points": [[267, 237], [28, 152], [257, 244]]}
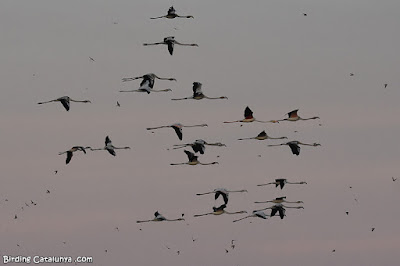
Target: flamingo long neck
{"points": [[208, 163], [151, 128], [215, 98], [248, 138], [278, 138], [145, 221], [179, 99], [198, 215], [202, 125], [310, 118], [160, 90], [199, 194], [178, 163], [84, 101], [215, 144], [172, 220]]}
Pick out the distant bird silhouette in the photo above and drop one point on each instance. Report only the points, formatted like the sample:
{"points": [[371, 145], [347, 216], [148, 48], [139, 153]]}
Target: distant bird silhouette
{"points": [[279, 200], [259, 214], [263, 136], [293, 116], [192, 160], [248, 117], [218, 211], [394, 179], [385, 85], [91, 59], [281, 182], [48, 191], [65, 101], [178, 128], [222, 192], [198, 145], [372, 229], [170, 42], [118, 104], [172, 14], [15, 217], [279, 208], [109, 147], [159, 218], [294, 146], [147, 83], [198, 94], [72, 150], [351, 74]]}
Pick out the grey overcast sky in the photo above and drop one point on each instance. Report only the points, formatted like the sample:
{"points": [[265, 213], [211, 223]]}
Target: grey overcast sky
{"points": [[263, 54]]}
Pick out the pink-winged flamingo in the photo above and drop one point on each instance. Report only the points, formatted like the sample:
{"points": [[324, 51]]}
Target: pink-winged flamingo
{"points": [[222, 192], [147, 83], [294, 146], [170, 42], [172, 14], [199, 145], [178, 128], [198, 94], [192, 160], [218, 211], [72, 150], [248, 117], [263, 136], [110, 147], [281, 182], [65, 101], [160, 218]]}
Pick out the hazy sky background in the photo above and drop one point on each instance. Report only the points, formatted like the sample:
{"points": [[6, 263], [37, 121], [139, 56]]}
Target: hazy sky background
{"points": [[261, 54]]}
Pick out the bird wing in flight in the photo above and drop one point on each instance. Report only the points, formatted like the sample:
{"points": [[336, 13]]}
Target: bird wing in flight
{"points": [[248, 113], [170, 47], [111, 151], [108, 140], [69, 157], [190, 155], [295, 148], [262, 134], [178, 132], [65, 103], [293, 114]]}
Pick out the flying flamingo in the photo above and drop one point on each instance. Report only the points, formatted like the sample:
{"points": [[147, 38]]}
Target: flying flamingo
{"points": [[147, 83], [65, 100], [159, 218], [263, 136], [192, 160], [109, 147], [281, 182], [198, 145], [178, 128], [198, 94], [294, 146], [259, 214], [72, 150], [281, 209], [218, 211], [172, 14], [170, 41], [248, 117], [279, 200], [292, 116], [221, 192]]}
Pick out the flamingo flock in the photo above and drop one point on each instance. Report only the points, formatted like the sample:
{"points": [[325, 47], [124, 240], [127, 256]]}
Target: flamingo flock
{"points": [[147, 84]]}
